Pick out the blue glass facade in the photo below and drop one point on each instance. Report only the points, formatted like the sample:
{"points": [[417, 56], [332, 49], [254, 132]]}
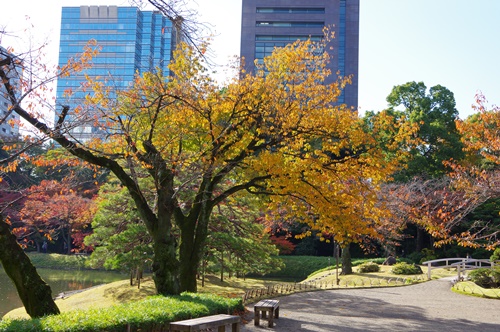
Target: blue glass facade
{"points": [[267, 24], [131, 41], [9, 127]]}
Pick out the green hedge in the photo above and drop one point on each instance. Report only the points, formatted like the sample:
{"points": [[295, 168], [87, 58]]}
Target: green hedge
{"points": [[151, 314]]}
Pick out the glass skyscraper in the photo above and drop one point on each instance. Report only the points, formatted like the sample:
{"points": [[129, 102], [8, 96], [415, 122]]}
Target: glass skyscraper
{"points": [[131, 41], [9, 120], [267, 24]]}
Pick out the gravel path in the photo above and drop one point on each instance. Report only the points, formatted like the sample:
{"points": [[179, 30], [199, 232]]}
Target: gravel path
{"points": [[429, 306]]}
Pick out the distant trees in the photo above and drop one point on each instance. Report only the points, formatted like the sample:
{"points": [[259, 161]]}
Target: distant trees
{"points": [[120, 240], [434, 112], [480, 172], [481, 131], [237, 242], [53, 209], [457, 203]]}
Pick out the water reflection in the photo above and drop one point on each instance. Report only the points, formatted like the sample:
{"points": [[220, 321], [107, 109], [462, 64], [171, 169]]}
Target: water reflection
{"points": [[59, 281]]}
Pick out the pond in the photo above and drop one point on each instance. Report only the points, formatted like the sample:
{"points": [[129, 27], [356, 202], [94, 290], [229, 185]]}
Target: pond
{"points": [[59, 281]]}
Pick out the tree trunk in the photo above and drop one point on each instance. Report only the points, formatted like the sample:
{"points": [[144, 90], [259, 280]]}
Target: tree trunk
{"points": [[420, 239], [68, 240], [165, 264], [139, 276], [204, 267], [188, 271], [35, 294], [222, 265], [346, 260], [193, 237]]}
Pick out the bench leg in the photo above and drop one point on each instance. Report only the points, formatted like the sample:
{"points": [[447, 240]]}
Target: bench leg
{"points": [[264, 314], [221, 328], [235, 327], [277, 312], [256, 318], [271, 315]]}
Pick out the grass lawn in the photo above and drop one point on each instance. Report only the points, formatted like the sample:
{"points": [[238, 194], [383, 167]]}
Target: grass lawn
{"points": [[121, 292], [384, 273], [470, 288]]}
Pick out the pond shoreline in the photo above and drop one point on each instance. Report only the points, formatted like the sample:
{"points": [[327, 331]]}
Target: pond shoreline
{"points": [[66, 294], [63, 283]]}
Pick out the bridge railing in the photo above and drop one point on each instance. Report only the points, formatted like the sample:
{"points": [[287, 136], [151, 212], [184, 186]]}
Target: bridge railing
{"points": [[460, 263]]}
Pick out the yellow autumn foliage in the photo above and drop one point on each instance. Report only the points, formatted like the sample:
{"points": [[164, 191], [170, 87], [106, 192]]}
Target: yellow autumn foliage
{"points": [[279, 132]]}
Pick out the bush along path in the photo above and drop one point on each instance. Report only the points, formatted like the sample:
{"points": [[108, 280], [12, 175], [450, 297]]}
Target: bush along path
{"points": [[151, 314]]}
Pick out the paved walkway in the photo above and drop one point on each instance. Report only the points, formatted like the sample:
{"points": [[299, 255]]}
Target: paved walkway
{"points": [[429, 306]]}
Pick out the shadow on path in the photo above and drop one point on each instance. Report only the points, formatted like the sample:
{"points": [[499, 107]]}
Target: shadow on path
{"points": [[429, 306]]}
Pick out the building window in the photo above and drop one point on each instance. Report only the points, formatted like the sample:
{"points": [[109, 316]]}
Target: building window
{"points": [[265, 44], [283, 10], [277, 24], [287, 38]]}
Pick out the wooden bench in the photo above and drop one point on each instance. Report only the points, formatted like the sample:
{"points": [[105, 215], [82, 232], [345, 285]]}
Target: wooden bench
{"points": [[197, 324], [273, 306]]}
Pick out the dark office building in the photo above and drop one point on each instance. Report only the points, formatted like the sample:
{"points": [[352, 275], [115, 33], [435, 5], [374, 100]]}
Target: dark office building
{"points": [[267, 24]]}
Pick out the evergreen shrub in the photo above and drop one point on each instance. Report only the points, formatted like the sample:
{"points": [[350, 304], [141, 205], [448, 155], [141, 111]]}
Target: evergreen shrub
{"points": [[368, 267], [405, 268], [486, 277], [496, 255]]}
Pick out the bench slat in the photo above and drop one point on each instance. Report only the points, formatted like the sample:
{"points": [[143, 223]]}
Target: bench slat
{"points": [[204, 322], [267, 303]]}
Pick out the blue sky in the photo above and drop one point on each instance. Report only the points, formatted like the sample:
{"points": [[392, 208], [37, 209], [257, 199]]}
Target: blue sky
{"points": [[455, 43]]}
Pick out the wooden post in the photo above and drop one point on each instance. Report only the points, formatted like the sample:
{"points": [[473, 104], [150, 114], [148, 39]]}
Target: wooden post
{"points": [[337, 263]]}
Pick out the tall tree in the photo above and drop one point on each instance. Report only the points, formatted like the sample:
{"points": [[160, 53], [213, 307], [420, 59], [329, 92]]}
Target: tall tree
{"points": [[435, 113], [278, 132], [458, 207], [34, 293], [479, 174], [34, 83]]}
